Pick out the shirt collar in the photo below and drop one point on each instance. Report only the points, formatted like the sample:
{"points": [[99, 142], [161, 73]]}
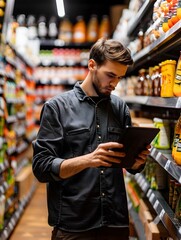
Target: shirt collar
{"points": [[81, 95]]}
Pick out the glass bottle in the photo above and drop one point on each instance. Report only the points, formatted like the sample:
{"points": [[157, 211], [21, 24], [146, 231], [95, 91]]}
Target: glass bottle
{"points": [[65, 30], [177, 80], [176, 137], [104, 28], [42, 27], [79, 30], [167, 77], [92, 29], [52, 28]]}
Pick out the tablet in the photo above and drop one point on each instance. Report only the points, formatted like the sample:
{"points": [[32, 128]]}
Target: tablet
{"points": [[135, 139]]}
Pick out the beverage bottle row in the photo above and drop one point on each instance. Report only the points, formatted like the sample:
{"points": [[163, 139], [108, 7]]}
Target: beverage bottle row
{"points": [[67, 31], [163, 80]]}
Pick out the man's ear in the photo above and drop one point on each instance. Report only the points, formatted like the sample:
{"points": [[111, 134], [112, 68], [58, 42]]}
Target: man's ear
{"points": [[92, 64]]}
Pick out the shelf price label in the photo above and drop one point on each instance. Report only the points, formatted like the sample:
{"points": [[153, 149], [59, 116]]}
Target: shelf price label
{"points": [[158, 156], [155, 206], [145, 186], [151, 198], [162, 214], [149, 193], [167, 165]]}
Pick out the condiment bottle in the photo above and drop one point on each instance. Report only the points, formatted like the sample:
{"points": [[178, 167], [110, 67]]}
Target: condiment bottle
{"points": [[176, 137], [162, 140], [177, 81], [157, 81], [167, 78], [140, 83]]}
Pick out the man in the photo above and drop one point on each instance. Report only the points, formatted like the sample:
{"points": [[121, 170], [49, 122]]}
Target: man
{"points": [[74, 151]]}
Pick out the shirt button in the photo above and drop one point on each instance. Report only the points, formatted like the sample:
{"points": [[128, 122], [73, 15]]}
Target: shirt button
{"points": [[98, 125], [99, 137], [102, 171], [103, 194]]}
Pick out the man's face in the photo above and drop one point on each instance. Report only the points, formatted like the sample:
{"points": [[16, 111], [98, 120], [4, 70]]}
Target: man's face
{"points": [[106, 77]]}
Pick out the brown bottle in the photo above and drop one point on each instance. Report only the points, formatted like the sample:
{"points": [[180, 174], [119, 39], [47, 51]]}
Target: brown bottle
{"points": [[140, 83], [157, 81]]}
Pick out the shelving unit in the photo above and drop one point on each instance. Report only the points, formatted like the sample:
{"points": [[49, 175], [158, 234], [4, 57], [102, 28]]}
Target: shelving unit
{"points": [[168, 46]]}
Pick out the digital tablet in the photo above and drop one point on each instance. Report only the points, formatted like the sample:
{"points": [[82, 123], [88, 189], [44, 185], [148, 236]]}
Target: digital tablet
{"points": [[135, 139]]}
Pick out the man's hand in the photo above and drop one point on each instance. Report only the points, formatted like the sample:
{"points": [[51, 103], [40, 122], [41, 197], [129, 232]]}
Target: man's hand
{"points": [[106, 154], [141, 159]]}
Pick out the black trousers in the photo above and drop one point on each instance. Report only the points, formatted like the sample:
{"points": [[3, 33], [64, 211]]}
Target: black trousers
{"points": [[103, 233]]}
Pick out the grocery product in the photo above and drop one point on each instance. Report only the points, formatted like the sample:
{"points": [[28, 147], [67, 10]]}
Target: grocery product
{"points": [[79, 30], [92, 29], [167, 77], [162, 140], [177, 81]]}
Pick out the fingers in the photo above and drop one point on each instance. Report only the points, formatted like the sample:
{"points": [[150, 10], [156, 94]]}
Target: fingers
{"points": [[110, 145]]}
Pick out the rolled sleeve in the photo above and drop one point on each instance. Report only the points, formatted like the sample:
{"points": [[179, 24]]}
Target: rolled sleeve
{"points": [[55, 169]]}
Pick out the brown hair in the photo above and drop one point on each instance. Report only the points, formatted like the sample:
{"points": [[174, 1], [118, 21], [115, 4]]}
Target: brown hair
{"points": [[110, 50]]}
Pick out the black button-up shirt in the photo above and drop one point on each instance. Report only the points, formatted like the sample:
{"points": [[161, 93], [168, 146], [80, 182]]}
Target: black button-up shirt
{"points": [[72, 124]]}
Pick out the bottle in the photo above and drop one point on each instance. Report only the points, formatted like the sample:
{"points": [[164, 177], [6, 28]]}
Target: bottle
{"points": [[92, 29], [176, 137], [176, 193], [157, 81], [162, 140], [140, 82], [42, 28], [104, 28], [167, 77], [21, 34], [177, 153], [32, 28], [52, 28], [177, 80], [179, 9], [65, 30], [79, 30]]}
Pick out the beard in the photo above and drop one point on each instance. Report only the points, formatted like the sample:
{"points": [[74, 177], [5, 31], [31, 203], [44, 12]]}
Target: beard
{"points": [[95, 84]]}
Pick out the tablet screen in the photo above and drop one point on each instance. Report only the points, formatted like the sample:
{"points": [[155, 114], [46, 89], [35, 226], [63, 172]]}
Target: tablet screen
{"points": [[135, 139]]}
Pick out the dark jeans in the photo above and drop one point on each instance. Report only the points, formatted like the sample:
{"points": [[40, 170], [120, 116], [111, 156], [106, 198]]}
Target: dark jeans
{"points": [[103, 233]]}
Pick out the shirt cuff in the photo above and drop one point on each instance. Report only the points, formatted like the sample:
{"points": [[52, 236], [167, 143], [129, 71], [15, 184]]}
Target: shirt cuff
{"points": [[56, 167]]}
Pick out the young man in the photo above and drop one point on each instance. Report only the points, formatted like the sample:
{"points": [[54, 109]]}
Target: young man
{"points": [[73, 152]]}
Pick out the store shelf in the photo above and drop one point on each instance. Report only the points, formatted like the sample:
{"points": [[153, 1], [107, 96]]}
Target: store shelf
{"points": [[172, 102], [137, 222], [164, 158], [168, 45], [140, 16], [163, 210], [10, 225], [51, 43]]}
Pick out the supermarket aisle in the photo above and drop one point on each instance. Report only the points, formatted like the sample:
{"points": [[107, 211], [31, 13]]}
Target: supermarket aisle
{"points": [[33, 223]]}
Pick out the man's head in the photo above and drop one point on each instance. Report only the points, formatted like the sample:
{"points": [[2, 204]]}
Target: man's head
{"points": [[110, 50], [108, 62]]}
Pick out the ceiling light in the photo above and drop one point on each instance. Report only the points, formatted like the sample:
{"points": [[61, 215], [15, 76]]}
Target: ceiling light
{"points": [[60, 8]]}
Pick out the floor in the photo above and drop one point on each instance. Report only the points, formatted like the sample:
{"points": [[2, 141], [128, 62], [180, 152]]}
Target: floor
{"points": [[33, 223]]}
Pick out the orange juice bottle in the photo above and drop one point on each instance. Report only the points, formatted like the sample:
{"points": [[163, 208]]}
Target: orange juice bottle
{"points": [[92, 29], [79, 30], [177, 81]]}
